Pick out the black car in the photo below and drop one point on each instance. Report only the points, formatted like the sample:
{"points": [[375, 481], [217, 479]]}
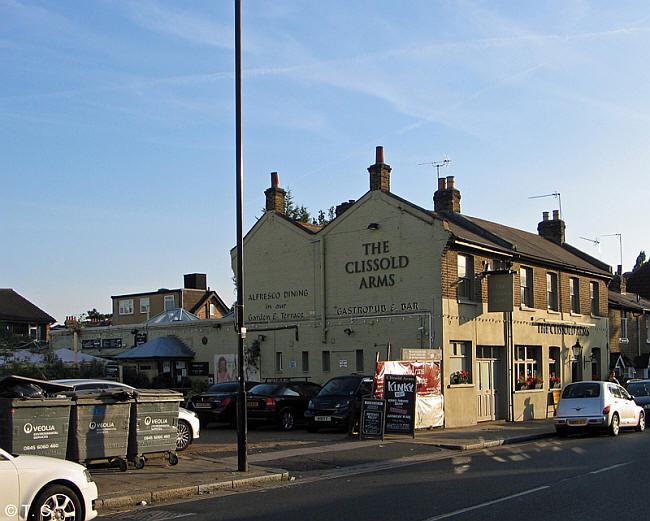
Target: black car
{"points": [[280, 403], [218, 403], [338, 402]]}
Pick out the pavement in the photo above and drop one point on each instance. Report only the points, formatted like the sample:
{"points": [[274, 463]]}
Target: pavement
{"points": [[207, 469]]}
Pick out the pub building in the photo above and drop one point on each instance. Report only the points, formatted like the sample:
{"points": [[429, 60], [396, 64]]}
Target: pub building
{"points": [[510, 315]]}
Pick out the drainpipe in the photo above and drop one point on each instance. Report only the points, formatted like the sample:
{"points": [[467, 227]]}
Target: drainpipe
{"points": [[510, 356]]}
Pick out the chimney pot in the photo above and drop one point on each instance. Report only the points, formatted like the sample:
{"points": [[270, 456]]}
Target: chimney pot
{"points": [[275, 196], [552, 230], [379, 172], [446, 198]]}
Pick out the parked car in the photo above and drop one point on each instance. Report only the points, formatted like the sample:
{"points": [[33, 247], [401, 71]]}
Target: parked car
{"points": [[338, 402], [188, 429], [218, 403], [640, 391], [280, 403], [42, 488], [597, 405]]}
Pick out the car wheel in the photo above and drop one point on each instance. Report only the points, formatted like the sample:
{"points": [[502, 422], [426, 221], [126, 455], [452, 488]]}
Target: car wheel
{"points": [[562, 432], [56, 502], [640, 427], [287, 420], [183, 435], [615, 425]]}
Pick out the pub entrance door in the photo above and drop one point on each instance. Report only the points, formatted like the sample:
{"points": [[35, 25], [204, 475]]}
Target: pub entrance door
{"points": [[487, 388]]}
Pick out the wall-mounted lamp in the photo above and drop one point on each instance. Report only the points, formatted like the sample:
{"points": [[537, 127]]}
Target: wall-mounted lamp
{"points": [[373, 226], [134, 331], [348, 331], [261, 338], [576, 349]]}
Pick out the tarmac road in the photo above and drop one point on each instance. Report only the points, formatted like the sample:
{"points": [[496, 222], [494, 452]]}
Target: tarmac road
{"points": [[588, 477]]}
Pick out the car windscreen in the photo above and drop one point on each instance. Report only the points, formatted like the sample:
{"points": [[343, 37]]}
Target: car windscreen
{"points": [[581, 390], [230, 387], [639, 388], [343, 386], [266, 389]]}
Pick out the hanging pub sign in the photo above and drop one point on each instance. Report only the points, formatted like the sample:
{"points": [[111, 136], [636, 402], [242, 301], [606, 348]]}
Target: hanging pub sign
{"points": [[501, 292], [399, 393], [372, 418], [140, 338]]}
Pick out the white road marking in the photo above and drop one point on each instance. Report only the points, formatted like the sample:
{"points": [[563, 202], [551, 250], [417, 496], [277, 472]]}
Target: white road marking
{"points": [[488, 503], [519, 494], [605, 469]]}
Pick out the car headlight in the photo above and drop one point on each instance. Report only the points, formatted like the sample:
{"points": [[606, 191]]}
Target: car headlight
{"points": [[343, 404], [310, 405], [89, 478]]}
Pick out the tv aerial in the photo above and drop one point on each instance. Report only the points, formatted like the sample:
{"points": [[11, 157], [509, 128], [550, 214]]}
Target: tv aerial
{"points": [[554, 194], [438, 164]]}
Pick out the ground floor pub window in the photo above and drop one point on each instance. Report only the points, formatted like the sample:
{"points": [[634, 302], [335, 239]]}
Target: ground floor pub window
{"points": [[460, 363], [527, 367], [554, 377]]}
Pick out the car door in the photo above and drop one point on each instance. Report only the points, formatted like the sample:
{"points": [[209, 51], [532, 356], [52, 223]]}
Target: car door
{"points": [[629, 405], [9, 492], [620, 403]]}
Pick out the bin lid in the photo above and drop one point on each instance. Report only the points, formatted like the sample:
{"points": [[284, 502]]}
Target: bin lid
{"points": [[13, 386], [157, 395], [101, 395]]}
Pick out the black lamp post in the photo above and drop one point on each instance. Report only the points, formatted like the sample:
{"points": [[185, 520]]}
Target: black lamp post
{"points": [[242, 457]]}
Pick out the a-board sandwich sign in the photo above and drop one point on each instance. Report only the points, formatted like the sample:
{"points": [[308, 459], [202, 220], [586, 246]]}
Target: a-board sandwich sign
{"points": [[372, 418], [399, 393]]}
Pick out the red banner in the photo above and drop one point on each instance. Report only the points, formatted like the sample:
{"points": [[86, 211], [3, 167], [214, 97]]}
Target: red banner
{"points": [[427, 375]]}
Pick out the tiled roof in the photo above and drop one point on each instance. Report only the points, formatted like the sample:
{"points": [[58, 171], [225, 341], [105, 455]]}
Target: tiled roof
{"points": [[526, 244], [628, 301], [16, 308]]}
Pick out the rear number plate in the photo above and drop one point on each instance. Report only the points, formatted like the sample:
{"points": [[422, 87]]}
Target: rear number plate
{"points": [[253, 404], [577, 422], [323, 418], [202, 404]]}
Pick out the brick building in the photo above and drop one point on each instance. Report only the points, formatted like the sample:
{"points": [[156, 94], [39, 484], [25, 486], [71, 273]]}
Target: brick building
{"points": [[18, 316], [497, 305], [194, 296], [629, 330]]}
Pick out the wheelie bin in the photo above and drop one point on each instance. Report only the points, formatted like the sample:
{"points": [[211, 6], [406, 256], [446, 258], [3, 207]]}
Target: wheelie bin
{"points": [[153, 424], [99, 426], [34, 419]]}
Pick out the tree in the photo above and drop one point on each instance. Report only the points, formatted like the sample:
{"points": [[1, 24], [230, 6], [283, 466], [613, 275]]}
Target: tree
{"points": [[93, 314], [639, 260]]}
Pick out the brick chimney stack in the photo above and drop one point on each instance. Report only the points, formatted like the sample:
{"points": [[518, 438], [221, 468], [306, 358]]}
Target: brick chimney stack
{"points": [[446, 198], [554, 229], [343, 207], [379, 172], [275, 196]]}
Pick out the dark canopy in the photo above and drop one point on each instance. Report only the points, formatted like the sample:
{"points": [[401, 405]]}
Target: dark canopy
{"points": [[167, 347]]}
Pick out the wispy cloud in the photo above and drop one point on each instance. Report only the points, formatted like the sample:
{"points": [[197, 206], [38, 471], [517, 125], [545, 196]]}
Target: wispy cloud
{"points": [[180, 23]]}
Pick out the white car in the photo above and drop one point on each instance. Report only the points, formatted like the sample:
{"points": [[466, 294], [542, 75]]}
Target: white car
{"points": [[42, 488], [189, 426], [597, 405]]}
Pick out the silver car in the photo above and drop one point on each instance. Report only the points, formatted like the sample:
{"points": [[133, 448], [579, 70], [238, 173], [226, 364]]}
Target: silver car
{"points": [[597, 406]]}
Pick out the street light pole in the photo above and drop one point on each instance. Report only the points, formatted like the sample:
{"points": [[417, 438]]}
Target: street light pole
{"points": [[242, 457]]}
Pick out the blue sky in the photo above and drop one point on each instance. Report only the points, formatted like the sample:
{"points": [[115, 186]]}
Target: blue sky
{"points": [[117, 126]]}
